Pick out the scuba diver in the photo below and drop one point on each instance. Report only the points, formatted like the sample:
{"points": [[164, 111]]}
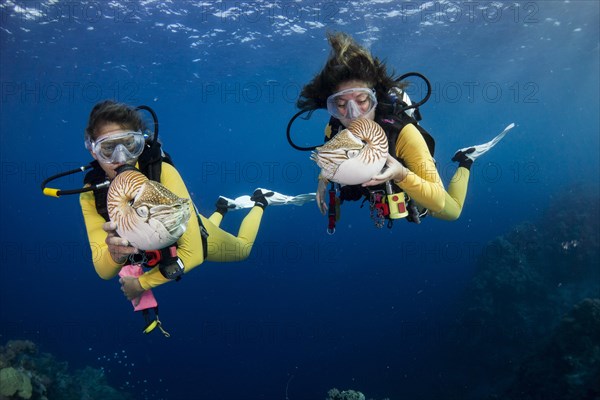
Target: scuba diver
{"points": [[352, 85], [117, 137]]}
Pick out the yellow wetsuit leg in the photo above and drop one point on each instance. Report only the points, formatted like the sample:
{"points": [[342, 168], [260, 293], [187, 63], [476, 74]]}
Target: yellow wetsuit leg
{"points": [[216, 218], [455, 195], [223, 246]]}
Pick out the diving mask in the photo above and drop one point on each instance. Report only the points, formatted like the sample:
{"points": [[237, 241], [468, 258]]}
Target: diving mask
{"points": [[118, 148], [352, 103]]}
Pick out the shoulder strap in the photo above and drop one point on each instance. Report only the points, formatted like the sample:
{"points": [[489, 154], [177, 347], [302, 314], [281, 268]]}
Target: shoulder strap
{"points": [[150, 161], [393, 124], [334, 126], [94, 176]]}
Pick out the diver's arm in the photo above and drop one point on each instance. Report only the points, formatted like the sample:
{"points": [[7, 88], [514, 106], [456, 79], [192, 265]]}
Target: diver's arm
{"points": [[104, 264], [423, 182], [189, 246]]}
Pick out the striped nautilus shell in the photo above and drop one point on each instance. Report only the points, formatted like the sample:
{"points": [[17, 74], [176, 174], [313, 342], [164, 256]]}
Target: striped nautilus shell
{"points": [[354, 155], [147, 214]]}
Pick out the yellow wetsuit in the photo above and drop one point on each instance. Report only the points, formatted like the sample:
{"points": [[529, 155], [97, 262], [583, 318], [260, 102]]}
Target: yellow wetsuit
{"points": [[423, 183], [222, 246]]}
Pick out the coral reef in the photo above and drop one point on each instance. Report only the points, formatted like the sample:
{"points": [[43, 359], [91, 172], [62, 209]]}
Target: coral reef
{"points": [[567, 365], [335, 394], [525, 283], [26, 374], [13, 349], [14, 383]]}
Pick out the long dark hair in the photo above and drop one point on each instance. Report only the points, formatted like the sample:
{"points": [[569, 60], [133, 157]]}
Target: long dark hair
{"points": [[347, 61]]}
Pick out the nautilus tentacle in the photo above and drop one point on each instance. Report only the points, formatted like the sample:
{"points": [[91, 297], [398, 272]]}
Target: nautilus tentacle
{"points": [[146, 213], [354, 155]]}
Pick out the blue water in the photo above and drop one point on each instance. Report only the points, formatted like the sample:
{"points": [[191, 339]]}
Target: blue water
{"points": [[361, 309]]}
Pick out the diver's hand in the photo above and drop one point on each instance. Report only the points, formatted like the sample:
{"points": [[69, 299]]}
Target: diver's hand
{"points": [[321, 196], [118, 247], [130, 286], [394, 171]]}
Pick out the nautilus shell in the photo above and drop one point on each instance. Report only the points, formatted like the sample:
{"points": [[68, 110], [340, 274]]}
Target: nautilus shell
{"points": [[147, 214], [354, 155]]}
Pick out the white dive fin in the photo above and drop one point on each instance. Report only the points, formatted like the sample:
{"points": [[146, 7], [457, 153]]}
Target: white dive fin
{"points": [[277, 199], [483, 148]]}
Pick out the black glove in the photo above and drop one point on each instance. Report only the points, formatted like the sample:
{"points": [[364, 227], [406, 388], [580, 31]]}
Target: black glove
{"points": [[223, 206], [260, 199], [462, 159]]}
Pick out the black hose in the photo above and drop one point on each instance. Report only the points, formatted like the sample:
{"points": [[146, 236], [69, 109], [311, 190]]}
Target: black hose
{"points": [[289, 128], [154, 118], [427, 96]]}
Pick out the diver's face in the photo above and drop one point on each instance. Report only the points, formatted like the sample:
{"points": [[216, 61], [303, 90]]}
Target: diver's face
{"points": [[107, 130], [361, 103]]}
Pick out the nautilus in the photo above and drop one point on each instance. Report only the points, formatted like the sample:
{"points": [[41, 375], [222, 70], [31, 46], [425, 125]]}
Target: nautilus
{"points": [[354, 155], [146, 213]]}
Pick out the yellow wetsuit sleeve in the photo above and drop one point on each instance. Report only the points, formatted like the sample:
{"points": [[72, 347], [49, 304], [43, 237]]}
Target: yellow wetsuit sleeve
{"points": [[327, 132], [189, 246], [104, 265], [423, 182]]}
